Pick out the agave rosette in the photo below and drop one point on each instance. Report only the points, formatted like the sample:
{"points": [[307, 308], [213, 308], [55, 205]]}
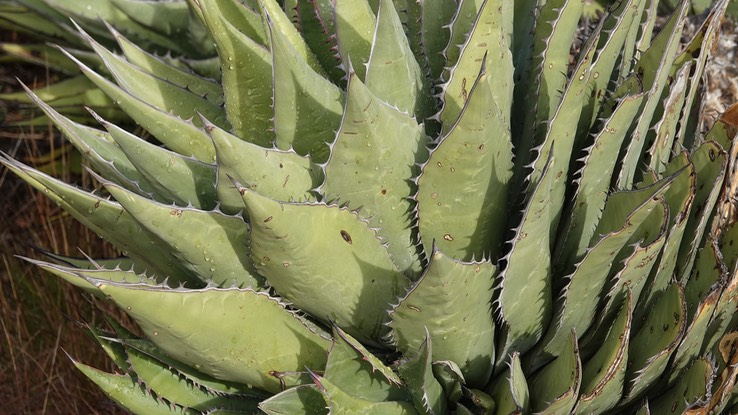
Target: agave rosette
{"points": [[401, 207]]}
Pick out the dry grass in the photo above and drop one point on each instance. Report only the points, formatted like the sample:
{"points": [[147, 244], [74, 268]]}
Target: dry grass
{"points": [[39, 312]]}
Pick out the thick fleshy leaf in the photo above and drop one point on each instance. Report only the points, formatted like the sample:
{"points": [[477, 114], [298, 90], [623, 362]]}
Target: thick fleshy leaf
{"points": [[451, 302], [651, 73], [511, 393], [341, 403], [304, 399], [555, 388], [371, 166], [652, 346], [155, 91], [525, 299], [417, 373], [603, 376], [359, 373], [167, 384], [175, 178], [212, 245], [392, 73], [594, 182], [130, 394], [296, 247], [177, 134], [709, 162], [281, 175], [246, 68], [463, 188], [692, 386], [486, 45], [355, 23], [307, 107], [218, 333], [193, 376], [205, 88], [106, 218], [97, 147], [577, 308]]}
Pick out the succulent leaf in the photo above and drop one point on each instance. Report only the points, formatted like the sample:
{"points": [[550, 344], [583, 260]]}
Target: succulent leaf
{"points": [[129, 394], [342, 403], [210, 314], [355, 23], [281, 175], [246, 67], [303, 399], [375, 153], [307, 107], [357, 372], [511, 391], [354, 292], [551, 394], [417, 373], [463, 188], [603, 376], [526, 277], [451, 301], [392, 73], [218, 252], [175, 178]]}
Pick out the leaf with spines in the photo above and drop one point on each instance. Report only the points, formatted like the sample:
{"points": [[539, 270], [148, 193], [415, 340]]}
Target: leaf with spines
{"points": [[107, 219], [485, 43], [341, 403], [556, 24], [246, 68], [205, 88], [549, 393], [213, 313], [307, 107], [212, 245], [371, 166], [651, 73], [525, 302], [710, 161], [435, 15], [652, 346], [511, 393], [355, 23], [451, 303], [98, 148], [83, 278], [357, 372], [130, 394], [275, 17], [417, 373], [303, 399], [177, 134], [192, 375], [603, 376], [593, 183], [392, 73], [463, 188], [169, 385], [281, 175], [577, 307], [459, 28], [175, 178], [354, 292], [155, 91], [692, 386]]}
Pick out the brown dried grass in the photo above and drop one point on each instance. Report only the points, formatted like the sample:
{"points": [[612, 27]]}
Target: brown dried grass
{"points": [[40, 314]]}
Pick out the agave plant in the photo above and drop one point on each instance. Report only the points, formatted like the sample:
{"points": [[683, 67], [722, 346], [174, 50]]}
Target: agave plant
{"points": [[400, 207]]}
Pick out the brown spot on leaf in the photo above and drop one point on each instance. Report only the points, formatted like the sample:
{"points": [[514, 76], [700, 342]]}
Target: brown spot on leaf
{"points": [[346, 237]]}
